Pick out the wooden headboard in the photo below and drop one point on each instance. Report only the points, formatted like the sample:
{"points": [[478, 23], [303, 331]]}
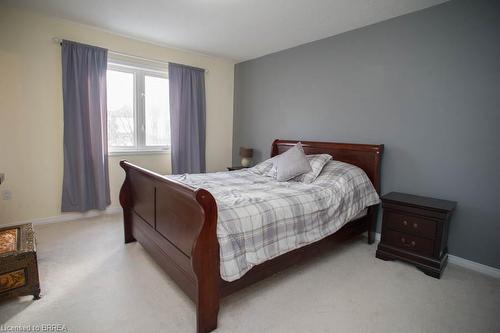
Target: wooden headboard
{"points": [[367, 157]]}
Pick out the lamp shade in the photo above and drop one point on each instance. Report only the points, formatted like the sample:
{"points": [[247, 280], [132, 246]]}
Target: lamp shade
{"points": [[246, 152]]}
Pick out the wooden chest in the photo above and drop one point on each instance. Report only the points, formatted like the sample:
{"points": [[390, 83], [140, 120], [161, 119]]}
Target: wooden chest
{"points": [[415, 230], [18, 262]]}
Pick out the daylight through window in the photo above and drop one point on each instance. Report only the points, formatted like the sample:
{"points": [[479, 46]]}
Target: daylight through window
{"points": [[138, 109]]}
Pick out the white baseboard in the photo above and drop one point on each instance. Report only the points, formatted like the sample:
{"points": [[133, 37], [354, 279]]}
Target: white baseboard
{"points": [[66, 217], [475, 266], [462, 262]]}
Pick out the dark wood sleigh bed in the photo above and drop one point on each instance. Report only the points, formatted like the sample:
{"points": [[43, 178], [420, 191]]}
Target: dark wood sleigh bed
{"points": [[176, 225]]}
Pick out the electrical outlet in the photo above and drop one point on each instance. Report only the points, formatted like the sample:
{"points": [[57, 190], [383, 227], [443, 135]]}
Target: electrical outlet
{"points": [[6, 194]]}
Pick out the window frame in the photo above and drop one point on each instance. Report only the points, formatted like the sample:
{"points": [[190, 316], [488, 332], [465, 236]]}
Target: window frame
{"points": [[139, 105]]}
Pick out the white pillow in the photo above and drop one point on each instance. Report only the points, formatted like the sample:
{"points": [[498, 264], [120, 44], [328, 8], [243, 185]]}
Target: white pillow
{"points": [[291, 163], [317, 163]]}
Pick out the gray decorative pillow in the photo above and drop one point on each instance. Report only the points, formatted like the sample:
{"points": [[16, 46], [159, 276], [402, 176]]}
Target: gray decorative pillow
{"points": [[291, 163], [317, 163]]}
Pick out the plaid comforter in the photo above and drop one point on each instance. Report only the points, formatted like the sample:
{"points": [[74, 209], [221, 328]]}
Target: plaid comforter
{"points": [[260, 218]]}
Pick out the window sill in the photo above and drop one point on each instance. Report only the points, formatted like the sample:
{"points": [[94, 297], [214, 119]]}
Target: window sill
{"points": [[139, 152]]}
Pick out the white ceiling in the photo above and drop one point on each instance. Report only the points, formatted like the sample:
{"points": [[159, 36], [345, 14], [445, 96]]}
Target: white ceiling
{"points": [[235, 29]]}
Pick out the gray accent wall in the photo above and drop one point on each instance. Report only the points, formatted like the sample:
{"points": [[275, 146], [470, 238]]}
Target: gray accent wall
{"points": [[426, 85]]}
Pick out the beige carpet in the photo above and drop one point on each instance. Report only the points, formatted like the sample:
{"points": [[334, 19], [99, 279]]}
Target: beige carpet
{"points": [[92, 282]]}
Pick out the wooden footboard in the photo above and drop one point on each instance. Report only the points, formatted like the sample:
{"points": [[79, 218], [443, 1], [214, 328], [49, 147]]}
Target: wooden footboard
{"points": [[176, 224]]}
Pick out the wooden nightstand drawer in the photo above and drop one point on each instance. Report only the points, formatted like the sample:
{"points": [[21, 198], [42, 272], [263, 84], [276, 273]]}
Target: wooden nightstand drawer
{"points": [[410, 224], [408, 242]]}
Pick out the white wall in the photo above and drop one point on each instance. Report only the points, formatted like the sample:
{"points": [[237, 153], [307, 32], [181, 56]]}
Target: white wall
{"points": [[31, 114]]}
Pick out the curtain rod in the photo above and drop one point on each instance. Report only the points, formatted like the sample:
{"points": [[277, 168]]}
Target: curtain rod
{"points": [[59, 41]]}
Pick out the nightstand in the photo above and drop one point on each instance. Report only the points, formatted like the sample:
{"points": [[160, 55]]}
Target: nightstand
{"points": [[234, 168], [415, 230]]}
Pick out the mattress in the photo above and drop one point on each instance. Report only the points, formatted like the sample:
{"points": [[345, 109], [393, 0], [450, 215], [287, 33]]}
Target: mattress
{"points": [[260, 218]]}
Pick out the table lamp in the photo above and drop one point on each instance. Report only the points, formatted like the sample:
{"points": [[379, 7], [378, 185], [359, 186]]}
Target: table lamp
{"points": [[246, 156]]}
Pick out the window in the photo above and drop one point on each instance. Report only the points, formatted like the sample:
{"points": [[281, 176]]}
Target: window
{"points": [[138, 109]]}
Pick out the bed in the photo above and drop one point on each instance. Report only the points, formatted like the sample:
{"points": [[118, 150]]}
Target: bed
{"points": [[177, 225]]}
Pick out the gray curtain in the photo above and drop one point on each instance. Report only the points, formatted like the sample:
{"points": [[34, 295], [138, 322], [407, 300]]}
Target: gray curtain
{"points": [[86, 179], [187, 118]]}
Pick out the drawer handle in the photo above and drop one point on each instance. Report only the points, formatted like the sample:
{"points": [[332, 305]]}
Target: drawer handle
{"points": [[410, 244], [415, 224]]}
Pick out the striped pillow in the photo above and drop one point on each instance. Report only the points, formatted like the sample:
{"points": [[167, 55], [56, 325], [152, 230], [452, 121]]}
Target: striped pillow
{"points": [[317, 162], [264, 167]]}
